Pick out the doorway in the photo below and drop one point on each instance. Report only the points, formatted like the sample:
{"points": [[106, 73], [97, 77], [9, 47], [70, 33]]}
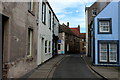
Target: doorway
{"points": [[1, 45], [42, 50], [4, 23]]}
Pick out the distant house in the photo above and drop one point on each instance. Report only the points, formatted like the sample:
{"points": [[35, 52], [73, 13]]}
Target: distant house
{"points": [[76, 46], [68, 40], [90, 13], [105, 40], [82, 43], [47, 31]]}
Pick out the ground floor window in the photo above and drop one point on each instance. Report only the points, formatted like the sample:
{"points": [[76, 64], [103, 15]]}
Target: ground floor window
{"points": [[46, 46], [108, 51]]}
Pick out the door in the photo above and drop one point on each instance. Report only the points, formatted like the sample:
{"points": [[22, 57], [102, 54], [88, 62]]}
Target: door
{"points": [[108, 52], [42, 50], [1, 46]]}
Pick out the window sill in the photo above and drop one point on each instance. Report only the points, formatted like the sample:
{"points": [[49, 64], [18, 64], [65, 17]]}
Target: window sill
{"points": [[104, 32], [31, 12]]}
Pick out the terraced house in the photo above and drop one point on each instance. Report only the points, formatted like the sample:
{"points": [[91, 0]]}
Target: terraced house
{"points": [[47, 31], [106, 36], [90, 13], [69, 40], [19, 38]]}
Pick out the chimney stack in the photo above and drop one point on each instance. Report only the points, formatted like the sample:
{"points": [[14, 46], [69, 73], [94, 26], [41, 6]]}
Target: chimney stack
{"points": [[68, 24], [79, 27]]}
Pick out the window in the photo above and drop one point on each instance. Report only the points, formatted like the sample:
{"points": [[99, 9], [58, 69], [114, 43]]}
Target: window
{"points": [[104, 26], [113, 52], [59, 46], [46, 46], [49, 46], [50, 20], [30, 5], [94, 12], [30, 42], [103, 52], [43, 12], [108, 51]]}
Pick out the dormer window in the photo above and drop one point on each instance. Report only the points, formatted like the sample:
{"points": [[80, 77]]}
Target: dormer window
{"points": [[94, 12]]}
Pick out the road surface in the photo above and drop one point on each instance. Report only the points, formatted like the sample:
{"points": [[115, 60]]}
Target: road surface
{"points": [[73, 66]]}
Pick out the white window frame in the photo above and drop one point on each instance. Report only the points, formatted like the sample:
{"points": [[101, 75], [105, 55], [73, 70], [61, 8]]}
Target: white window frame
{"points": [[110, 53], [50, 19], [46, 46], [30, 42], [43, 12], [31, 3], [101, 26], [103, 52]]}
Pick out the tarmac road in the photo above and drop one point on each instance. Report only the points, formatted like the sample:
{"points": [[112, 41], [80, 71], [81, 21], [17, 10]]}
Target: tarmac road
{"points": [[73, 66]]}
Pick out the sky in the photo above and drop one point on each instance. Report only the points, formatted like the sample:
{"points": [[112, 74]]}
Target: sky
{"points": [[72, 11]]}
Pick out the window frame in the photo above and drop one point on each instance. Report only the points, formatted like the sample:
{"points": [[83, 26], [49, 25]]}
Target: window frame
{"points": [[94, 10], [108, 52], [43, 13], [49, 47], [31, 5], [50, 19], [46, 46], [100, 53], [110, 25], [30, 42], [112, 51]]}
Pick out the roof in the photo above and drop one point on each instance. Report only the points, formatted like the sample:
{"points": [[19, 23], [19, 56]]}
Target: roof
{"points": [[76, 31], [82, 35], [64, 28]]}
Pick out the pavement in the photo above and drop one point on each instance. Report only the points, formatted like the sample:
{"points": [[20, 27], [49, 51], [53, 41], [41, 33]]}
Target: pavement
{"points": [[43, 71], [66, 66], [110, 73]]}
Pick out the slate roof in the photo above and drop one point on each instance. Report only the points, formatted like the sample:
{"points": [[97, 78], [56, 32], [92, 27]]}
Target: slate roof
{"points": [[76, 31], [64, 28]]}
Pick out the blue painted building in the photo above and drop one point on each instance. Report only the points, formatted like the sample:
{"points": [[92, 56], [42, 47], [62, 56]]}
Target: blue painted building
{"points": [[105, 29]]}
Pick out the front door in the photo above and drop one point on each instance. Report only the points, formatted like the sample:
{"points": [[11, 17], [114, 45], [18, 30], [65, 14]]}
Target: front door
{"points": [[108, 52], [42, 50], [1, 45]]}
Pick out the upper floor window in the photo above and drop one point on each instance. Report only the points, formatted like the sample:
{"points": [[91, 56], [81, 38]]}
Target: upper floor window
{"points": [[94, 12], [30, 5], [104, 26], [43, 12], [50, 20]]}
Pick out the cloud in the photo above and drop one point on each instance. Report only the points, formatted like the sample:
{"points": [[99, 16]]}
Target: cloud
{"points": [[72, 11]]}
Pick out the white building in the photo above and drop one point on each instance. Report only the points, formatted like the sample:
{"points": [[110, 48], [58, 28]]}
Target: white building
{"points": [[45, 31]]}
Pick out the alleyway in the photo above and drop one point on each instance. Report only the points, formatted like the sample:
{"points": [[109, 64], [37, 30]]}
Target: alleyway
{"points": [[73, 66]]}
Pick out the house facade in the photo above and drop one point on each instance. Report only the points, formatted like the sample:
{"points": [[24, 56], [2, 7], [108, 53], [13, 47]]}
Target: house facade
{"points": [[68, 42], [48, 24], [18, 44], [82, 43], [55, 35], [90, 13], [105, 50]]}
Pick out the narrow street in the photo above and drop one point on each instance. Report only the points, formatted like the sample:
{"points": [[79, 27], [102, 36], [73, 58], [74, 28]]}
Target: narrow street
{"points": [[73, 66]]}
